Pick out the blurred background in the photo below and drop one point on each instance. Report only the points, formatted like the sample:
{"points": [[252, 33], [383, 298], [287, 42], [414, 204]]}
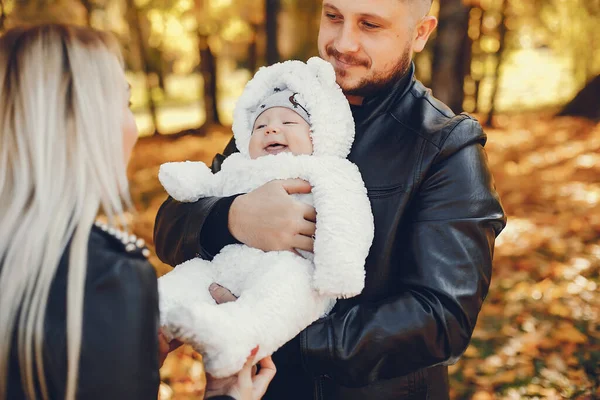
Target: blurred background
{"points": [[527, 69]]}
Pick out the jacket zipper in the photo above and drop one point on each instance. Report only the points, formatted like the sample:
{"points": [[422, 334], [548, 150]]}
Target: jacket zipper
{"points": [[318, 395]]}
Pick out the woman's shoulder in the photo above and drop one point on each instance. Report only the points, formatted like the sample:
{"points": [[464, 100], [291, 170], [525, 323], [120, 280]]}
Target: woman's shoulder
{"points": [[120, 318], [114, 253]]}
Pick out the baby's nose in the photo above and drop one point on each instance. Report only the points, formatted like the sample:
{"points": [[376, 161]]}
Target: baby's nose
{"points": [[271, 130]]}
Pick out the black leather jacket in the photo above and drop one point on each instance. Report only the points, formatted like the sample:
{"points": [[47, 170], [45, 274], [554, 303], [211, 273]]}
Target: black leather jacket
{"points": [[119, 350], [437, 215]]}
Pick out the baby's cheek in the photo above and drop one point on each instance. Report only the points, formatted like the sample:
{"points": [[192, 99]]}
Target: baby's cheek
{"points": [[255, 148]]}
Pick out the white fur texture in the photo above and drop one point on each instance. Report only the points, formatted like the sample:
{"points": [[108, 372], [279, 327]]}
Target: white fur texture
{"points": [[330, 115], [280, 293], [344, 224], [276, 301]]}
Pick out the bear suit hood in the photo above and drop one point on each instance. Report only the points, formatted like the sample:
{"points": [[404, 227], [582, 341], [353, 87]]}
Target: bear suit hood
{"points": [[332, 125]]}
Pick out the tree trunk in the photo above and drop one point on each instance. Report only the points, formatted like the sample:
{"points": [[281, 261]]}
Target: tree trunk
{"points": [[135, 23], [208, 67], [88, 8], [501, 55], [476, 54], [586, 103], [2, 15], [451, 54], [253, 50], [271, 12]]}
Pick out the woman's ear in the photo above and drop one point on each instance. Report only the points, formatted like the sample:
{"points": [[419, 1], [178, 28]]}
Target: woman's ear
{"points": [[424, 29]]}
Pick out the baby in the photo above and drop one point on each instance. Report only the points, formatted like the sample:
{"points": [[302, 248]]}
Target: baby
{"points": [[292, 121], [281, 125]]}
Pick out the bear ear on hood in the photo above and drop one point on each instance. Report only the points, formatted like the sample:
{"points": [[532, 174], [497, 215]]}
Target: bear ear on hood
{"points": [[323, 70]]}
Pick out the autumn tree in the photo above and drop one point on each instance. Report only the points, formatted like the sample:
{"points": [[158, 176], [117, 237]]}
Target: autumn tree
{"points": [[272, 8], [501, 56], [3, 15], [586, 103], [38, 11], [451, 54], [135, 23]]}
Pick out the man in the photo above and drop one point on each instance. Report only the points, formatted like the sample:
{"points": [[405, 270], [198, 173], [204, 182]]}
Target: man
{"points": [[436, 219]]}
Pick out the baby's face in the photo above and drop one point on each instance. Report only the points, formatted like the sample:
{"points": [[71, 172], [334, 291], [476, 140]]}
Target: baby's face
{"points": [[278, 130]]}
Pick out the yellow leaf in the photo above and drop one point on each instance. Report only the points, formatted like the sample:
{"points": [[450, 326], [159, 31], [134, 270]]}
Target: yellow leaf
{"points": [[481, 395], [505, 377], [557, 308], [471, 352], [566, 332]]}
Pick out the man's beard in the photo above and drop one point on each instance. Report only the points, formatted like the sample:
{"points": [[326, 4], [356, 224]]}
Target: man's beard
{"points": [[369, 86]]}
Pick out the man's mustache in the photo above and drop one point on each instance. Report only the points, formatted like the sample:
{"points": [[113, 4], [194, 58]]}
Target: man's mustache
{"points": [[332, 52]]}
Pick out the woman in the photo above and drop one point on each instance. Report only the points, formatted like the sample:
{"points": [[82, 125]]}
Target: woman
{"points": [[78, 299]]}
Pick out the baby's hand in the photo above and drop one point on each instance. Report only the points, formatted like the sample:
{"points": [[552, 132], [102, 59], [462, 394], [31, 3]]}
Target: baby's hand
{"points": [[220, 294]]}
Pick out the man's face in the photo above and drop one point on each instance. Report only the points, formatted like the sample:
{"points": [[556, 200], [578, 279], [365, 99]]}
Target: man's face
{"points": [[369, 42]]}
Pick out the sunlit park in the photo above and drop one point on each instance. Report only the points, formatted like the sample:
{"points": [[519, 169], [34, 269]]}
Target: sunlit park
{"points": [[528, 70]]}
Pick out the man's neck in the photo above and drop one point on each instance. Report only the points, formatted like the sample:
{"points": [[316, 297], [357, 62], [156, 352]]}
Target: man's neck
{"points": [[355, 100]]}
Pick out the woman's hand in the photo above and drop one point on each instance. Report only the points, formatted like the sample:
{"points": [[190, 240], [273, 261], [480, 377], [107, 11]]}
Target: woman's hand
{"points": [[246, 385], [165, 347]]}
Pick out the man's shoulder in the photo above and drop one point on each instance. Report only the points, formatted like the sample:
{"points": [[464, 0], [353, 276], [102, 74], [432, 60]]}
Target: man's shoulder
{"points": [[424, 115]]}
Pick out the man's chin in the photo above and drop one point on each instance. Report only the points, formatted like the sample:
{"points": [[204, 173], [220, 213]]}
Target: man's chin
{"points": [[347, 83], [355, 90]]}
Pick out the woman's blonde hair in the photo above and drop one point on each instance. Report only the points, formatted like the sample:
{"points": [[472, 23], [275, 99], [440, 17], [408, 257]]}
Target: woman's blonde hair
{"points": [[62, 98]]}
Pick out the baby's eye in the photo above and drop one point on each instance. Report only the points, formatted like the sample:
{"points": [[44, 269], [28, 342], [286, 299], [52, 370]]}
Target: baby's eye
{"points": [[259, 126], [290, 123]]}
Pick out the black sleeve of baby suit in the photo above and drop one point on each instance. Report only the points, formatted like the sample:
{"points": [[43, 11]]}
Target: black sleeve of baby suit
{"points": [[215, 232]]}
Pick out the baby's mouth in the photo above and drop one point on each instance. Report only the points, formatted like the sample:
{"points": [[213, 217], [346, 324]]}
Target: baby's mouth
{"points": [[275, 148]]}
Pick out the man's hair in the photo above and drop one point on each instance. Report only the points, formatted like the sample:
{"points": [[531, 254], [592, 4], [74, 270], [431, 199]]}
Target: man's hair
{"points": [[427, 3], [424, 5], [421, 7]]}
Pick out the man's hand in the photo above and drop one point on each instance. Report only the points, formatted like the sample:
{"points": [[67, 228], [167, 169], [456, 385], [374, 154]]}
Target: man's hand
{"points": [[269, 219]]}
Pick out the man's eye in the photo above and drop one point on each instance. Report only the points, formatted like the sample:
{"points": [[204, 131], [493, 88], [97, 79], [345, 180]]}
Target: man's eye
{"points": [[369, 25], [331, 16]]}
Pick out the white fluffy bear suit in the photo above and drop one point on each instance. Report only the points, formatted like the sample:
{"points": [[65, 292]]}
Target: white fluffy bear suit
{"points": [[280, 293]]}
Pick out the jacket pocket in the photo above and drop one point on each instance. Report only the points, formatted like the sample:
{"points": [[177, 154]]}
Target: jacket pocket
{"points": [[385, 191]]}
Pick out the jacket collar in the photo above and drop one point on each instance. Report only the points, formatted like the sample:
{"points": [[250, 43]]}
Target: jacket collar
{"points": [[382, 102]]}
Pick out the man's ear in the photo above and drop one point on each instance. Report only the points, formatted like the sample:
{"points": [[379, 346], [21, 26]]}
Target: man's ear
{"points": [[424, 29]]}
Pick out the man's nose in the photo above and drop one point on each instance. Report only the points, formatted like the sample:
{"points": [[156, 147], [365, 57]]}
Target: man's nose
{"points": [[347, 40]]}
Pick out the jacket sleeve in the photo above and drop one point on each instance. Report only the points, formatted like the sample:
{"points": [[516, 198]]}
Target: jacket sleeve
{"points": [[178, 226], [119, 353], [446, 271]]}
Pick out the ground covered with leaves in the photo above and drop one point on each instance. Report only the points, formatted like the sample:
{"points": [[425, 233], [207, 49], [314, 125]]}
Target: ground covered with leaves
{"points": [[538, 335]]}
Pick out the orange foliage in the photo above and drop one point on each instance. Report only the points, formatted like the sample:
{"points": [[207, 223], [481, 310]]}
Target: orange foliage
{"points": [[538, 333]]}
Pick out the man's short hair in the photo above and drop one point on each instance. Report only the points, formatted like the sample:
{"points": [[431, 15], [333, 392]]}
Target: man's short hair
{"points": [[425, 3], [422, 6]]}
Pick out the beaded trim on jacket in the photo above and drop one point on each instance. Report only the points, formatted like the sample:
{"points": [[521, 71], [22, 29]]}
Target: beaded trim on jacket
{"points": [[131, 243]]}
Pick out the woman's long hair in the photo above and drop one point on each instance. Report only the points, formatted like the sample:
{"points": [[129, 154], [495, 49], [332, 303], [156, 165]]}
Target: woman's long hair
{"points": [[62, 97]]}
